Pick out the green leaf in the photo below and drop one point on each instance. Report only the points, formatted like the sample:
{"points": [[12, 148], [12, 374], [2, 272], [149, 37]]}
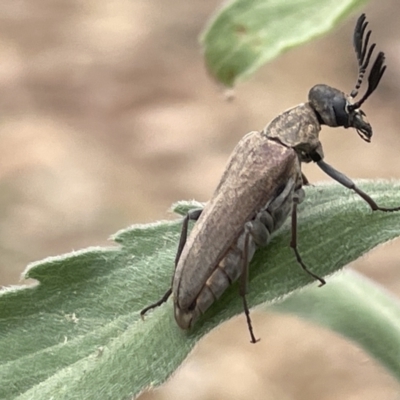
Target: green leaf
{"points": [[245, 34], [357, 308], [78, 334]]}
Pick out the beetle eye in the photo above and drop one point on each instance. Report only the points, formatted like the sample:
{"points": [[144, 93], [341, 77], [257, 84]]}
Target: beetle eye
{"points": [[329, 104], [340, 105]]}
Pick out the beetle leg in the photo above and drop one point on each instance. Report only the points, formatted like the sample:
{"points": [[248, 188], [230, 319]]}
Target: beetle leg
{"points": [[157, 303], [259, 231], [293, 242], [192, 215], [347, 182], [244, 279]]}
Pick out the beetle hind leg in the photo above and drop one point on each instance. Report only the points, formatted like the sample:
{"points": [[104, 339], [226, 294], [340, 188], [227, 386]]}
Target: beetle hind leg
{"points": [[157, 303], [192, 215]]}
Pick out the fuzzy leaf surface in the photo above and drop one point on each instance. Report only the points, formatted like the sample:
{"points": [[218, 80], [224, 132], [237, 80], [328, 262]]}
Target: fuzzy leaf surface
{"points": [[78, 333]]}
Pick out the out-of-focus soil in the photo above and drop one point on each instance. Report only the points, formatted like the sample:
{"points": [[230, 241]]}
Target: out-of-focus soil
{"points": [[108, 117]]}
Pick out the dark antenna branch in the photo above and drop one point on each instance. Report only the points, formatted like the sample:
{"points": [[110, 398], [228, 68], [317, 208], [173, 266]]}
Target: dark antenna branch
{"points": [[364, 54]]}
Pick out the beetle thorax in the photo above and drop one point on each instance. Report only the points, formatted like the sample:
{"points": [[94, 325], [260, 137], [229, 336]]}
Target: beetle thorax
{"points": [[299, 129]]}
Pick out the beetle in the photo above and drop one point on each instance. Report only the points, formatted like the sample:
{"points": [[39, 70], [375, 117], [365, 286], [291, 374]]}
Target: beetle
{"points": [[260, 187]]}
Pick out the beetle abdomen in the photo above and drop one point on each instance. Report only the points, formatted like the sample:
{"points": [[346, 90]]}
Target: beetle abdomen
{"points": [[258, 233]]}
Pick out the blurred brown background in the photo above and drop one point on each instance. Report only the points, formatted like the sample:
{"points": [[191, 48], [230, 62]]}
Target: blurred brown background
{"points": [[107, 116]]}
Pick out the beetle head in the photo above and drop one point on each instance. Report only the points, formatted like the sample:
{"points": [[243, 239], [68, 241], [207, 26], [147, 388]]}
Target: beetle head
{"points": [[333, 107]]}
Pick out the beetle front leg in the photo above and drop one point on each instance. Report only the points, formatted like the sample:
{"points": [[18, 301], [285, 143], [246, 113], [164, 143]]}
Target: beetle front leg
{"points": [[192, 215], [293, 242], [347, 182]]}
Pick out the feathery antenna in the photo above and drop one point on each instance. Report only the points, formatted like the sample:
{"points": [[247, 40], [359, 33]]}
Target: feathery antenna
{"points": [[364, 54]]}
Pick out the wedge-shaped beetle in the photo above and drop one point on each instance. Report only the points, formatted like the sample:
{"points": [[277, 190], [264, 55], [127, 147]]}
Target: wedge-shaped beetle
{"points": [[261, 186]]}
